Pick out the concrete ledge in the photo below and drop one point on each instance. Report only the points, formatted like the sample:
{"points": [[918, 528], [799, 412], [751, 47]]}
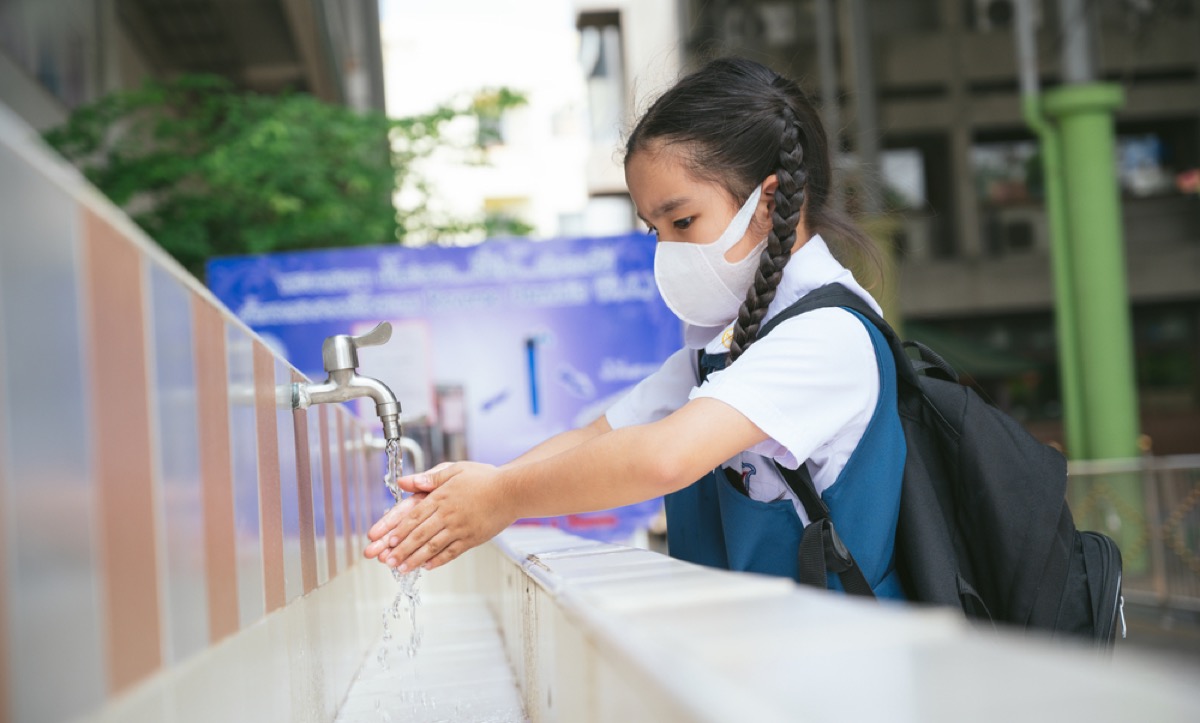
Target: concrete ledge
{"points": [[598, 632]]}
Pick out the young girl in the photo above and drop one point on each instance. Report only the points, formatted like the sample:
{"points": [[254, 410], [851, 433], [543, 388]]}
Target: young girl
{"points": [[730, 169]]}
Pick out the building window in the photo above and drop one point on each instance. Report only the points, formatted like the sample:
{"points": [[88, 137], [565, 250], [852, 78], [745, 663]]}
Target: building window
{"points": [[918, 192], [600, 56], [1008, 184], [54, 41]]}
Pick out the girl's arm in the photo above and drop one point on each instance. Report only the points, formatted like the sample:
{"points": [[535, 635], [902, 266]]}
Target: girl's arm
{"points": [[470, 503]]}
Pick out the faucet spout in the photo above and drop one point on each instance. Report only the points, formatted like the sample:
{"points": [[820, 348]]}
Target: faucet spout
{"points": [[344, 383]]}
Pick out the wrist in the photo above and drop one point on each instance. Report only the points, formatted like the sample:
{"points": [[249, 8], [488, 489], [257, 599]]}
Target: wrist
{"points": [[505, 497]]}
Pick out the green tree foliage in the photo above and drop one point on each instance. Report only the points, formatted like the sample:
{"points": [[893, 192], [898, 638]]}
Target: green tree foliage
{"points": [[208, 170]]}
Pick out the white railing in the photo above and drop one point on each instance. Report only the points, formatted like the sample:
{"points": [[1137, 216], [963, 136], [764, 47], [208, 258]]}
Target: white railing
{"points": [[1151, 505]]}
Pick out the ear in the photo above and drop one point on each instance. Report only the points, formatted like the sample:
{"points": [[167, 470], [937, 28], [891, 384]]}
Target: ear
{"points": [[766, 205], [769, 186]]}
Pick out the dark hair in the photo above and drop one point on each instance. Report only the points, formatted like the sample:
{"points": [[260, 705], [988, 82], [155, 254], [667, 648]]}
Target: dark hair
{"points": [[736, 122]]}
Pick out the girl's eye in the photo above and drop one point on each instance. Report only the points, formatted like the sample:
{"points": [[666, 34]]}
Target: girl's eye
{"points": [[683, 223], [651, 230]]}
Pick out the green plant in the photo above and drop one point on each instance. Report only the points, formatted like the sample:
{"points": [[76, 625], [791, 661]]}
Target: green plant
{"points": [[207, 169]]}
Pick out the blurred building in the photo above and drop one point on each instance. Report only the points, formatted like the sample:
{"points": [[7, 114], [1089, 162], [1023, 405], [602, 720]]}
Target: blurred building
{"points": [[58, 54], [582, 65], [962, 178], [629, 51]]}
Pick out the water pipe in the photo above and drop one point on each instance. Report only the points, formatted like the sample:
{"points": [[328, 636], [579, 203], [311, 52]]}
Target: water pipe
{"points": [[1074, 412]]}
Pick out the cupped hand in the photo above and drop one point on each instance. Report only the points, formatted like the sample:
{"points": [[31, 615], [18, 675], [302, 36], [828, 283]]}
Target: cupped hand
{"points": [[381, 541], [454, 508], [418, 485]]}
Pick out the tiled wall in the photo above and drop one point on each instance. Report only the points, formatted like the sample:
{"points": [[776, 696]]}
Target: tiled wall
{"points": [[154, 499]]}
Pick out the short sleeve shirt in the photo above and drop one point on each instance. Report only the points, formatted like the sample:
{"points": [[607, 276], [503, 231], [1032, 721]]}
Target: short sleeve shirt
{"points": [[811, 385]]}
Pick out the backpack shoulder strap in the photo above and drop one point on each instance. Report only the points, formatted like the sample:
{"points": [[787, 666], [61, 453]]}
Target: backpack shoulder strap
{"points": [[821, 549], [838, 295]]}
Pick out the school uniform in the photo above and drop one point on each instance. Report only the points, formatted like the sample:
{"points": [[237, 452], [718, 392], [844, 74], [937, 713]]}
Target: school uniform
{"points": [[822, 387]]}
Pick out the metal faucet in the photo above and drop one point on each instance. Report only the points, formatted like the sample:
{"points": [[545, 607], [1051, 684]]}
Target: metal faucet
{"points": [[340, 355]]}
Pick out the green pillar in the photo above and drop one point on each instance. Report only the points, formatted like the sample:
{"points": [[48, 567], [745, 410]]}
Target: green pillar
{"points": [[1097, 258], [1083, 114]]}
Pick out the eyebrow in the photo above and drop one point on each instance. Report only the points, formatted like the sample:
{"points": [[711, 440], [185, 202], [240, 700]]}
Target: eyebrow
{"points": [[668, 206]]}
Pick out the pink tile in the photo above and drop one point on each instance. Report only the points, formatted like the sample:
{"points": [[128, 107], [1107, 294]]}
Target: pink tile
{"points": [[5, 696], [122, 456], [347, 472], [270, 502], [326, 480], [308, 548]]}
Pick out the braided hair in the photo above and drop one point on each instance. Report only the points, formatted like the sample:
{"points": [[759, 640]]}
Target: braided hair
{"points": [[738, 122]]}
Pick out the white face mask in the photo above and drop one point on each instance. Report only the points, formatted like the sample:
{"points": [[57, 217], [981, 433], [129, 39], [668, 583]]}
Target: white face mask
{"points": [[698, 284]]}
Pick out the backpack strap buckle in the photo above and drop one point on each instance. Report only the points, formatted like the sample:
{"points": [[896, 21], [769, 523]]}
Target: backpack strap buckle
{"points": [[821, 552], [837, 558]]}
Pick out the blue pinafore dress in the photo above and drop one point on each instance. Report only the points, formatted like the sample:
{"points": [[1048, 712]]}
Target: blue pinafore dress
{"points": [[712, 523]]}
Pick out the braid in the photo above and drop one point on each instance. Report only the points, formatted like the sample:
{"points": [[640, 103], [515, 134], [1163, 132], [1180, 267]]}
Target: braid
{"points": [[789, 198]]}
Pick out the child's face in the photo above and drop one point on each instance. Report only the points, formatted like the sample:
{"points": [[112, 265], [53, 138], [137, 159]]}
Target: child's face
{"points": [[680, 208]]}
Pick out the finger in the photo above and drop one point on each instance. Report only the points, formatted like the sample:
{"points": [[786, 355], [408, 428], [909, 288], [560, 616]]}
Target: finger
{"points": [[393, 516], [413, 541], [391, 537], [452, 551], [428, 480], [401, 539], [390, 519], [376, 548], [432, 547], [384, 544]]}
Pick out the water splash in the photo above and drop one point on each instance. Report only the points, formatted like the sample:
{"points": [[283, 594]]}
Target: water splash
{"points": [[410, 597]]}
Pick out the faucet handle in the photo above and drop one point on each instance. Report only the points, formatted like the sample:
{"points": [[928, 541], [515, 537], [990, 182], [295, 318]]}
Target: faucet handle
{"points": [[375, 337], [340, 352]]}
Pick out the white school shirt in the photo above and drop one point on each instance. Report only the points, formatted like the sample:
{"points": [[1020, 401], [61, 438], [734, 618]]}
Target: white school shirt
{"points": [[811, 384]]}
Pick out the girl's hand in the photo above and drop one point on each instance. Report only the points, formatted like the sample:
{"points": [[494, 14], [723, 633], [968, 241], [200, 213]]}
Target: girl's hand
{"points": [[418, 485], [463, 507], [423, 482], [380, 532]]}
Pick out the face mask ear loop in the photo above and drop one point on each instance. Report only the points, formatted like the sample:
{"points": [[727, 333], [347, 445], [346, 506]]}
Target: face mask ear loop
{"points": [[739, 225]]}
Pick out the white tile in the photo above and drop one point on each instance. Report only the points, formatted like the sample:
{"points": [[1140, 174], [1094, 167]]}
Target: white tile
{"points": [[180, 508], [243, 447], [53, 585], [289, 490]]}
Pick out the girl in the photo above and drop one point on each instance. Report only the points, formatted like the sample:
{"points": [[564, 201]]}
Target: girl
{"points": [[730, 169]]}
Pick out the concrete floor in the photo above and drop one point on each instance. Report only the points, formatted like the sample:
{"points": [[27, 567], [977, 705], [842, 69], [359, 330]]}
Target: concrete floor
{"points": [[459, 672]]}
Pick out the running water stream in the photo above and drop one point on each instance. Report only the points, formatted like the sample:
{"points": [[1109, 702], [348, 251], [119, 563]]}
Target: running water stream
{"points": [[464, 674], [408, 595]]}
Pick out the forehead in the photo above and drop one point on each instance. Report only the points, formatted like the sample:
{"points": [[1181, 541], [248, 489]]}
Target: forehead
{"points": [[658, 175]]}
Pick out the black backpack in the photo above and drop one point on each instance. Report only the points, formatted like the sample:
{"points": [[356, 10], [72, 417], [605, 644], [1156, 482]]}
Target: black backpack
{"points": [[984, 524]]}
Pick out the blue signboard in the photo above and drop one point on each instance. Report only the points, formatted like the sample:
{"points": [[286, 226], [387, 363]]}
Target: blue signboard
{"points": [[540, 336]]}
